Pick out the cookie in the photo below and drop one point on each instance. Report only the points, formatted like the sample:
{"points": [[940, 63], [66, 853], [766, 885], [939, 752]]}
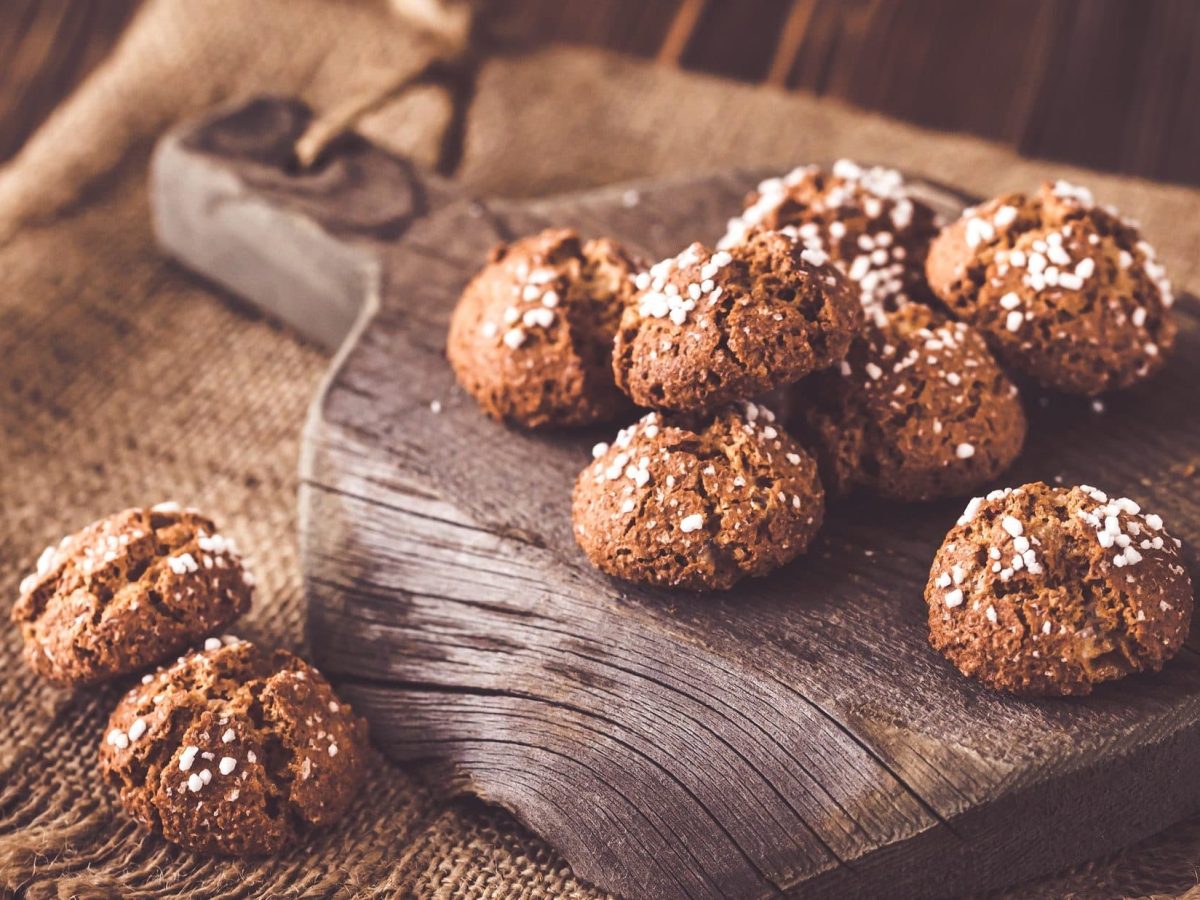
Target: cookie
{"points": [[682, 504], [1042, 590], [918, 410], [127, 592], [711, 327], [864, 218], [1066, 292], [234, 750], [531, 338]]}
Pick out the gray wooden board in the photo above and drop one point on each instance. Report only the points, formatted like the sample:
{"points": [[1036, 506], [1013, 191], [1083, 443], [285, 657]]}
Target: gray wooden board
{"points": [[795, 736]]}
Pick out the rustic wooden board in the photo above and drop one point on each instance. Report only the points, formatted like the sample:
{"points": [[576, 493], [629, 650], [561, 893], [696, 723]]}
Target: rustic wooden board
{"points": [[795, 736]]}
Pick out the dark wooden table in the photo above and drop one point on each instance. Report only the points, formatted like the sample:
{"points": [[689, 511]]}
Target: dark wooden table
{"points": [[1113, 84]]}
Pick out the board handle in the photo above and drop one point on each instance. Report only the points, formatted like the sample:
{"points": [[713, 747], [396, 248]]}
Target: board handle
{"points": [[302, 244]]}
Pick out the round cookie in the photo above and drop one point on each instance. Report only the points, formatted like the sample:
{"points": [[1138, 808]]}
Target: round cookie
{"points": [[127, 592], [1042, 590], [711, 327], [692, 506], [234, 750], [918, 410], [531, 337], [1066, 292], [864, 218]]}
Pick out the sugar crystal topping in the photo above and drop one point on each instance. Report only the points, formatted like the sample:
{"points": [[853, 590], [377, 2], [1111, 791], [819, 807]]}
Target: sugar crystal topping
{"points": [[879, 263], [104, 542], [1073, 192], [624, 465], [1120, 527], [47, 560], [1054, 261], [625, 469], [660, 296], [535, 299], [947, 350], [183, 564]]}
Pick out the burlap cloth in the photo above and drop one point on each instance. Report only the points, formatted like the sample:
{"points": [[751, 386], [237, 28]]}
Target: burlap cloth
{"points": [[125, 380]]}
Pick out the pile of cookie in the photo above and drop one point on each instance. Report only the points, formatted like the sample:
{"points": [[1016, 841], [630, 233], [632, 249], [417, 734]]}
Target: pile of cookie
{"points": [[890, 349], [230, 749]]}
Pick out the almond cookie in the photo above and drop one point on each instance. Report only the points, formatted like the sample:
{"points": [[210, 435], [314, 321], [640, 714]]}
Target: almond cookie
{"points": [[234, 750], [863, 217], [710, 327], [1066, 292], [531, 338], [697, 506], [1041, 590], [127, 592], [917, 410]]}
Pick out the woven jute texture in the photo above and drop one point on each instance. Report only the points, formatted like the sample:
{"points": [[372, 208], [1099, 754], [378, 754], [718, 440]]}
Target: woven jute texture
{"points": [[124, 380]]}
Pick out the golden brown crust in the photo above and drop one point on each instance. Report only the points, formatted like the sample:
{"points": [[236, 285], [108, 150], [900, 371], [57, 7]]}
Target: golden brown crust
{"points": [[918, 410], [697, 506], [708, 328], [1066, 292], [863, 217], [127, 592], [234, 750], [1048, 591], [531, 337]]}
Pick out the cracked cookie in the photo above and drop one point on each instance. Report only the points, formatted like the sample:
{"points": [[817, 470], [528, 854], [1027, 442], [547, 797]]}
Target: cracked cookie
{"points": [[863, 217], [531, 338], [1067, 292], [918, 410], [1042, 590], [711, 327], [234, 750], [127, 592], [697, 506]]}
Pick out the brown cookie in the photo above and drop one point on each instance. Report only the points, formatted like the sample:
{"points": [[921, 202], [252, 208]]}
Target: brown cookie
{"points": [[1041, 590], [917, 410], [864, 218], [531, 338], [127, 592], [711, 327], [234, 750], [1066, 292], [696, 506]]}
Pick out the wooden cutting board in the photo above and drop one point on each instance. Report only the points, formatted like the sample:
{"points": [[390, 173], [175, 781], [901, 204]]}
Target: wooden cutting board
{"points": [[795, 736]]}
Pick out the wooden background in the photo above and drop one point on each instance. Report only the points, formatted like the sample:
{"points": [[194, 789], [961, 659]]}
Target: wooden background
{"points": [[1113, 84]]}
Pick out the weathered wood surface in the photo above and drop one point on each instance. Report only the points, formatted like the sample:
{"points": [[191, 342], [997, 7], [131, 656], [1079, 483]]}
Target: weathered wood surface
{"points": [[795, 736]]}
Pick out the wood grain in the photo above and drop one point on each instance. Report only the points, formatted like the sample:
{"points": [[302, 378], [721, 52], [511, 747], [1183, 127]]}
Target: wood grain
{"points": [[793, 737]]}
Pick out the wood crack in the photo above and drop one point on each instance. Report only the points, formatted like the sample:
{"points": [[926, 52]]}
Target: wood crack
{"points": [[813, 704], [585, 715], [870, 751], [703, 698]]}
